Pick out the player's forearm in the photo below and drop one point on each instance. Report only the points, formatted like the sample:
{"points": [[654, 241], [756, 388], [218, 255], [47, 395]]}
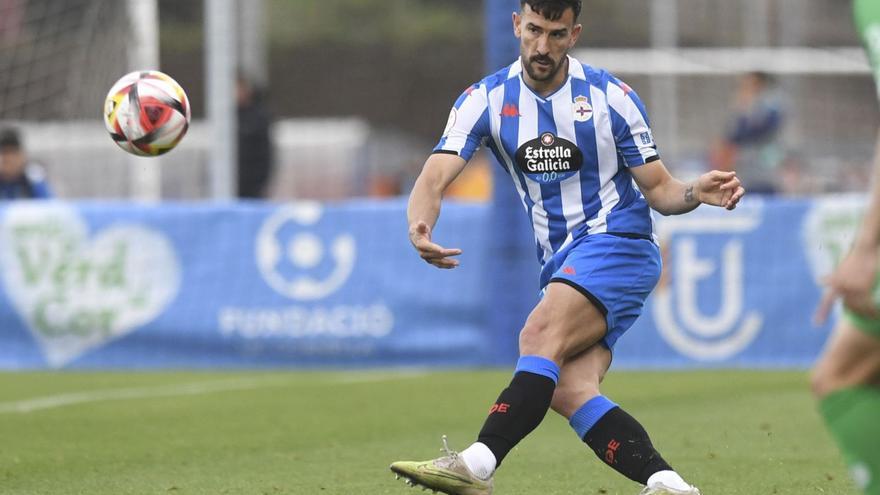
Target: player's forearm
{"points": [[674, 197], [869, 233], [424, 202]]}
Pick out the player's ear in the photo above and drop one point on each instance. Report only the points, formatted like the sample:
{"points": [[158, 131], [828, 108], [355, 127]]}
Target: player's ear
{"points": [[517, 31], [575, 35]]}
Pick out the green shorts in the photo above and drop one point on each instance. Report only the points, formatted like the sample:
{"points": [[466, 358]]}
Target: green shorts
{"points": [[871, 326]]}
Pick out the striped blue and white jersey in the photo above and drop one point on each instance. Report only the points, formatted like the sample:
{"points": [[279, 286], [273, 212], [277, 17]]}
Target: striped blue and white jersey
{"points": [[568, 153]]}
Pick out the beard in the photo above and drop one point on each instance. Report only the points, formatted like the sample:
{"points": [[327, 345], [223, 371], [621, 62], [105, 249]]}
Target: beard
{"points": [[546, 76]]}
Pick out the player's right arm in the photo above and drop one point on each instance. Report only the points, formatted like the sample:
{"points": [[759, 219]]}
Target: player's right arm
{"points": [[466, 128], [854, 279], [423, 208]]}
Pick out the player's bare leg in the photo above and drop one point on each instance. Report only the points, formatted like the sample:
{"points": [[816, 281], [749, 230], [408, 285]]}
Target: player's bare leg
{"points": [[615, 436], [562, 325], [851, 358], [845, 382]]}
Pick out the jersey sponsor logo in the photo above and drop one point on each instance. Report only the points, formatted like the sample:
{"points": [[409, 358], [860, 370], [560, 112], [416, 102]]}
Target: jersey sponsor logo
{"points": [[583, 111], [549, 158]]}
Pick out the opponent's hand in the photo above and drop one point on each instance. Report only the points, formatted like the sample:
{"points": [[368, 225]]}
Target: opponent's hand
{"points": [[719, 188], [420, 237], [853, 281]]}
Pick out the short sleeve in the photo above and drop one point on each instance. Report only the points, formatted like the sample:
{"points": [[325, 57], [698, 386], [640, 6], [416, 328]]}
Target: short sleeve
{"points": [[468, 124], [629, 123]]}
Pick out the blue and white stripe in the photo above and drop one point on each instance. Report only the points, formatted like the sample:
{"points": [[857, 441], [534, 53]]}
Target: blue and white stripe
{"points": [[504, 113]]}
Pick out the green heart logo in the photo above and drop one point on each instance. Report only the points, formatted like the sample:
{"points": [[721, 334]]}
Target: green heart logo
{"points": [[76, 293], [829, 231]]}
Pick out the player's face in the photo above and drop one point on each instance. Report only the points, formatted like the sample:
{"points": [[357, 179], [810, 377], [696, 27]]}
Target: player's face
{"points": [[544, 44], [11, 162]]}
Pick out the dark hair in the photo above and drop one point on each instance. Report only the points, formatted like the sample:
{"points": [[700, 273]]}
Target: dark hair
{"points": [[9, 139], [553, 9], [765, 78]]}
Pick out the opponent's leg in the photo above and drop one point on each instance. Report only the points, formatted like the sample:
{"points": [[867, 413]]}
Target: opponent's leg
{"points": [[845, 382], [615, 436], [563, 324]]}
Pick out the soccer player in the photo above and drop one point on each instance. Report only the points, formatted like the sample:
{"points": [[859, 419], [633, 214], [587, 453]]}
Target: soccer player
{"points": [[576, 142], [846, 378]]}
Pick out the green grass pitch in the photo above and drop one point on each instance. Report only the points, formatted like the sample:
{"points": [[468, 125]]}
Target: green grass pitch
{"points": [[729, 432]]}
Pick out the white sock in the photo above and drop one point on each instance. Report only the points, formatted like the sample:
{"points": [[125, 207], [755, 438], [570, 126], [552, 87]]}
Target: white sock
{"points": [[480, 460], [670, 479]]}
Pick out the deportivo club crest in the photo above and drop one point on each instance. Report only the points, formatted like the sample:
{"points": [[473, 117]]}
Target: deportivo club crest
{"points": [[583, 111]]}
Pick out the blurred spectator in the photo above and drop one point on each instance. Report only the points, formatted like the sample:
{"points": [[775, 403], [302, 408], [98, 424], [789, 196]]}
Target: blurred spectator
{"points": [[254, 141], [475, 181], [19, 178], [752, 142]]}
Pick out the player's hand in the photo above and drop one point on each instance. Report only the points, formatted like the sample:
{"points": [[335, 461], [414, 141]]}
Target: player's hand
{"points": [[719, 188], [420, 236], [853, 281]]}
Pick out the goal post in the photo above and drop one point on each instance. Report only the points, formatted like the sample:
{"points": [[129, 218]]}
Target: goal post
{"points": [[143, 53]]}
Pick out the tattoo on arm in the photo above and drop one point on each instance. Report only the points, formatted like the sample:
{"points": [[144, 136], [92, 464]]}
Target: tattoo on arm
{"points": [[689, 194]]}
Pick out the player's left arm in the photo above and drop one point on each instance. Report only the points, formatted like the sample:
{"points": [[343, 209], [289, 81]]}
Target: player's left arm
{"points": [[670, 196], [636, 147]]}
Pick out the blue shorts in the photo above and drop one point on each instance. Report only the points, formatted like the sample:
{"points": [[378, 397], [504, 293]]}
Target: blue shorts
{"points": [[615, 273]]}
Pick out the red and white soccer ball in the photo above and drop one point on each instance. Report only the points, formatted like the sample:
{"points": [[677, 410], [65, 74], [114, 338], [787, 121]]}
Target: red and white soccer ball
{"points": [[146, 113]]}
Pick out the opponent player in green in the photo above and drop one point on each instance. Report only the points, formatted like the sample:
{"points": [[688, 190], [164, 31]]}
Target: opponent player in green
{"points": [[846, 379]]}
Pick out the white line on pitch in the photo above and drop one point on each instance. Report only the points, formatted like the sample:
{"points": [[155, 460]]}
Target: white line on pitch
{"points": [[183, 389]]}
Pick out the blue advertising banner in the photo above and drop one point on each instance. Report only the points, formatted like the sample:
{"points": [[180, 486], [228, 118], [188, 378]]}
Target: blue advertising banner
{"points": [[740, 288], [117, 285]]}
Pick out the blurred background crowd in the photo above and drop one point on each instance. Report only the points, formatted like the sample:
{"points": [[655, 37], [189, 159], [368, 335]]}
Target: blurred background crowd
{"points": [[345, 98]]}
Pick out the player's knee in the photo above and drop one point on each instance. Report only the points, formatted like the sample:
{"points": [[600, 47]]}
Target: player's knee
{"points": [[536, 339], [822, 382], [567, 400]]}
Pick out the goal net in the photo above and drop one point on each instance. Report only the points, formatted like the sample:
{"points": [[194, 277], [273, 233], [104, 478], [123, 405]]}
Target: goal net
{"points": [[56, 56]]}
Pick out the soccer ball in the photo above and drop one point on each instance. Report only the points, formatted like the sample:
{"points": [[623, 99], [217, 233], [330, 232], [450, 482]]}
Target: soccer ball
{"points": [[146, 113]]}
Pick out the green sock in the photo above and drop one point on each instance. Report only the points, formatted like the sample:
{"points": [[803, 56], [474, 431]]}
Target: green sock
{"points": [[853, 417]]}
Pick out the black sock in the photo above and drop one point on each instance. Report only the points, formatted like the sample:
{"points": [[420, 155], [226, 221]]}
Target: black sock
{"points": [[622, 443], [518, 410]]}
